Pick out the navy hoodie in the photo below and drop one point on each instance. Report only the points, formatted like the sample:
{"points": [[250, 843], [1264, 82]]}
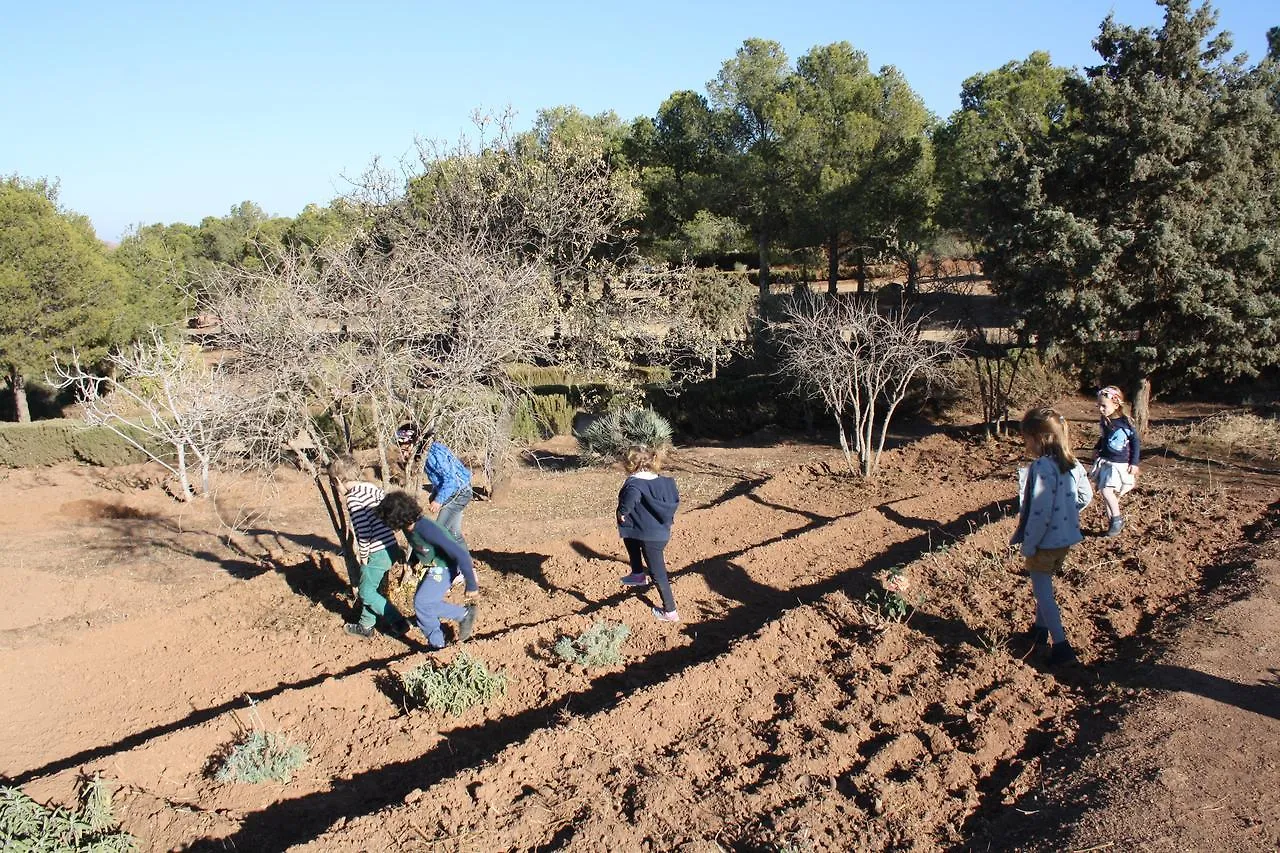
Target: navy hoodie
{"points": [[646, 507]]}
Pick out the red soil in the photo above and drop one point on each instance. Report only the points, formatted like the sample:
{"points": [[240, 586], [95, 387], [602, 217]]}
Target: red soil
{"points": [[783, 714]]}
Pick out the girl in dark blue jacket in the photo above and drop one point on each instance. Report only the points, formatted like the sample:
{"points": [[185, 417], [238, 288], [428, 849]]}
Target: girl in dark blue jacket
{"points": [[1117, 455], [646, 507]]}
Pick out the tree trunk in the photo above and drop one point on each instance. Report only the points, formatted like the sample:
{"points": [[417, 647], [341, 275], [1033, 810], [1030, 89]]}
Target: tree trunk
{"points": [[833, 265], [18, 382], [862, 272], [763, 244], [913, 275], [1142, 405]]}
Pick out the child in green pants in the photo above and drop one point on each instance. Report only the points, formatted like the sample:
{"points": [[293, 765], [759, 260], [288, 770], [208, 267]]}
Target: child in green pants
{"points": [[376, 548]]}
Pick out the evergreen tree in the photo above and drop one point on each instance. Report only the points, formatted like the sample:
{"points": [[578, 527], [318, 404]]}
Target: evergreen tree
{"points": [[59, 289], [1142, 232]]}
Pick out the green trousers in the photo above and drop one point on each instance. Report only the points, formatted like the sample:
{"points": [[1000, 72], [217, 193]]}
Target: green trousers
{"points": [[372, 604]]}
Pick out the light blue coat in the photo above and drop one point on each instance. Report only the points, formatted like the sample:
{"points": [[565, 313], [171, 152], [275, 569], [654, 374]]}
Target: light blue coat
{"points": [[1049, 516]]}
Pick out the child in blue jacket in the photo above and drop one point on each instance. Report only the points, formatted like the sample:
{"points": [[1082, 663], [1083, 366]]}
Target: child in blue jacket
{"points": [[646, 508], [1048, 521], [442, 557]]}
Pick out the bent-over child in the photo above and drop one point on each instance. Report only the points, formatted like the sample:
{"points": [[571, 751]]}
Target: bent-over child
{"points": [[1116, 457], [376, 548], [431, 542], [1048, 522], [647, 506]]}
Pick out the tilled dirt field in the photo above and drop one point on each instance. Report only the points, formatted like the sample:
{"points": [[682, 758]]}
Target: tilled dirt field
{"points": [[784, 713]]}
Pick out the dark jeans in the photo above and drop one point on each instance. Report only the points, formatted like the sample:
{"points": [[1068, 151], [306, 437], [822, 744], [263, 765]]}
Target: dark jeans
{"points": [[646, 558]]}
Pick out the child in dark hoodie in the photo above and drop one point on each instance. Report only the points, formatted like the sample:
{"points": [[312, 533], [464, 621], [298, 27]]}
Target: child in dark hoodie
{"points": [[646, 507]]}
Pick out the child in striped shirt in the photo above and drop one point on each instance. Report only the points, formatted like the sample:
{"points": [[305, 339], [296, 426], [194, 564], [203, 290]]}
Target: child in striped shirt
{"points": [[376, 548]]}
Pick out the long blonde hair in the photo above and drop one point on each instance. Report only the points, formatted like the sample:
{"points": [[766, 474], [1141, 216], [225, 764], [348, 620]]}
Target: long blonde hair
{"points": [[1046, 430], [344, 469], [639, 457]]}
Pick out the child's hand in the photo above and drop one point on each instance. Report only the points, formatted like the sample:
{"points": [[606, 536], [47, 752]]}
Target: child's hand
{"points": [[434, 507], [1133, 470], [471, 595]]}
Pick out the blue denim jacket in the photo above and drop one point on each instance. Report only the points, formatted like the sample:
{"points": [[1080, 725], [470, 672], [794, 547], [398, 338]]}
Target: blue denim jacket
{"points": [[445, 472], [1050, 513]]}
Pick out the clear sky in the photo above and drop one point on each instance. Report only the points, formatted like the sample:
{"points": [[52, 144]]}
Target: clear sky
{"points": [[173, 111]]}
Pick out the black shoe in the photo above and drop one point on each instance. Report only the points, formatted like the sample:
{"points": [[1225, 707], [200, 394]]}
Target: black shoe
{"points": [[1117, 524], [1062, 653], [358, 630], [399, 629], [1036, 635], [467, 624]]}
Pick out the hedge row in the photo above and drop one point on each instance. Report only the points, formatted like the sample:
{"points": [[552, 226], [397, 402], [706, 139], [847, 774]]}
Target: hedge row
{"points": [[53, 441]]}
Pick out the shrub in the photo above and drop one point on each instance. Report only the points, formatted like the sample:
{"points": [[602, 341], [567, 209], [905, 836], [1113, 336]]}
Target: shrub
{"points": [[599, 645], [260, 756], [453, 689], [617, 430], [524, 427], [531, 375], [50, 442], [25, 825], [730, 406], [553, 414]]}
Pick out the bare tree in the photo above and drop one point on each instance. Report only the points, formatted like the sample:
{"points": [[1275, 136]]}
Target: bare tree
{"points": [[160, 394], [859, 363], [997, 356]]}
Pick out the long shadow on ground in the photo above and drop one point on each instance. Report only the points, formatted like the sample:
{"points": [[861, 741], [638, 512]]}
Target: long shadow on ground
{"points": [[300, 820], [1036, 822]]}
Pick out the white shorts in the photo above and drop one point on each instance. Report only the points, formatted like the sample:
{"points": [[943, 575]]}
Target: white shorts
{"points": [[1112, 475]]}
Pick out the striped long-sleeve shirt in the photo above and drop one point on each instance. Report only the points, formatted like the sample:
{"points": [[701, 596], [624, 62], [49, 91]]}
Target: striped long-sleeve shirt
{"points": [[371, 534]]}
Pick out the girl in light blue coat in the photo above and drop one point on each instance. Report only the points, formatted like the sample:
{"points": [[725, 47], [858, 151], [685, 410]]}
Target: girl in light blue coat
{"points": [[1049, 520]]}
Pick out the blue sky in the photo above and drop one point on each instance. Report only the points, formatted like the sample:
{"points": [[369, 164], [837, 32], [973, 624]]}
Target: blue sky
{"points": [[170, 112]]}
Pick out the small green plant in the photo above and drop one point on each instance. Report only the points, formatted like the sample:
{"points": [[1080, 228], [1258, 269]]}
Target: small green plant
{"points": [[27, 826], [888, 602], [888, 606], [599, 645], [453, 689], [260, 756], [615, 431]]}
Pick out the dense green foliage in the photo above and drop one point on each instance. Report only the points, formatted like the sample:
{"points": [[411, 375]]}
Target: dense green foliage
{"points": [[1141, 232], [61, 291], [49, 442]]}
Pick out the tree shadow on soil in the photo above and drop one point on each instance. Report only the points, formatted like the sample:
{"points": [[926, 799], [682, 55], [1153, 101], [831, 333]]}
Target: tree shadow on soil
{"points": [[526, 564], [201, 716], [302, 819]]}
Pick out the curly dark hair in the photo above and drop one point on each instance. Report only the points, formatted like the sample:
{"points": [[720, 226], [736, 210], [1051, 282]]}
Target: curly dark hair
{"points": [[399, 510]]}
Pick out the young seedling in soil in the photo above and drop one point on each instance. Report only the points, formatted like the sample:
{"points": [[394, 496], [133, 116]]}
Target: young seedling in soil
{"points": [[260, 756], [600, 645], [27, 825], [453, 689]]}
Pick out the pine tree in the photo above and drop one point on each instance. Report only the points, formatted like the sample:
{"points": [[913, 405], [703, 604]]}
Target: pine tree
{"points": [[1142, 232]]}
